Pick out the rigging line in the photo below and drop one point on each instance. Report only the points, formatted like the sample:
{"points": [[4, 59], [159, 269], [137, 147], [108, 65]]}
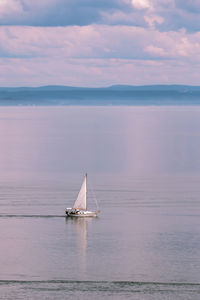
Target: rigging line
{"points": [[93, 195]]}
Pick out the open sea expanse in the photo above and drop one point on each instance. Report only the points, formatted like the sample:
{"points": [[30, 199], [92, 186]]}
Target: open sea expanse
{"points": [[143, 166]]}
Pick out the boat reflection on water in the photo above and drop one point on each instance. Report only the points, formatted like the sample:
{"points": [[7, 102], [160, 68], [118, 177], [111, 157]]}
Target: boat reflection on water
{"points": [[78, 228]]}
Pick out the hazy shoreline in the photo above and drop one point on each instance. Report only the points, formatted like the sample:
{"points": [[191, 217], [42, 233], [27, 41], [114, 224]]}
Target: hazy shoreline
{"points": [[159, 95]]}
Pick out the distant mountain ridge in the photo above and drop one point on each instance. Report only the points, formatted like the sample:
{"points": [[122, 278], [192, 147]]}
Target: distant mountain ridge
{"points": [[158, 87], [111, 95]]}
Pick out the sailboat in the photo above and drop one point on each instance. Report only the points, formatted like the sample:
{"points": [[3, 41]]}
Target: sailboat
{"points": [[79, 208]]}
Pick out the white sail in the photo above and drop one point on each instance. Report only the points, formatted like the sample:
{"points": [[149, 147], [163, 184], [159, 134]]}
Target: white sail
{"points": [[80, 202]]}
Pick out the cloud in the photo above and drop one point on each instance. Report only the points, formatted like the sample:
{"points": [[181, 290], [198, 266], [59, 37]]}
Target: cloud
{"points": [[192, 6], [141, 4], [95, 72], [97, 55], [130, 37], [155, 51], [97, 41], [164, 15], [58, 12], [178, 14]]}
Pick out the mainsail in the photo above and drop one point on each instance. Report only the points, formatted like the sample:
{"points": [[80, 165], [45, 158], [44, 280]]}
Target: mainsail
{"points": [[80, 202]]}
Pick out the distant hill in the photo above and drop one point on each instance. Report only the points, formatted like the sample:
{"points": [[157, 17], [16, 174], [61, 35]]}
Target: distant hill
{"points": [[113, 95], [174, 87]]}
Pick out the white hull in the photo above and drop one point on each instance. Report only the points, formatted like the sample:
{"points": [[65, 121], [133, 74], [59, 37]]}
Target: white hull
{"points": [[80, 213]]}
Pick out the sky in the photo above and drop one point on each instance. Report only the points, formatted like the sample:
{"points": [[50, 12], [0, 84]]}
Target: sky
{"points": [[94, 43]]}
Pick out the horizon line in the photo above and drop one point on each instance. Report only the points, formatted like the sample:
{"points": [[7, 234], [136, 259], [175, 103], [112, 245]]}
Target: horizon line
{"points": [[103, 87]]}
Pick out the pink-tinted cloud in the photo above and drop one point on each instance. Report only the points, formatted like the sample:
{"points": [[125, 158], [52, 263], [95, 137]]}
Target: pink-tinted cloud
{"points": [[94, 72], [101, 42], [97, 55], [119, 42]]}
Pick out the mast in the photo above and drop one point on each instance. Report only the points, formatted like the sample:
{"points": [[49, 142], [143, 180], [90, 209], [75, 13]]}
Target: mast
{"points": [[86, 190]]}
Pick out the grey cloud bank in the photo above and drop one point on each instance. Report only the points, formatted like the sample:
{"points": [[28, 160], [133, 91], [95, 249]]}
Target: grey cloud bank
{"points": [[58, 12], [163, 15]]}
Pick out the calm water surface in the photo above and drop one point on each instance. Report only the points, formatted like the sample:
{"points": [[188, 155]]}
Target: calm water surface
{"points": [[143, 165]]}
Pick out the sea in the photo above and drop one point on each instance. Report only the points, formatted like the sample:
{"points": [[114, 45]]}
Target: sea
{"points": [[143, 166]]}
